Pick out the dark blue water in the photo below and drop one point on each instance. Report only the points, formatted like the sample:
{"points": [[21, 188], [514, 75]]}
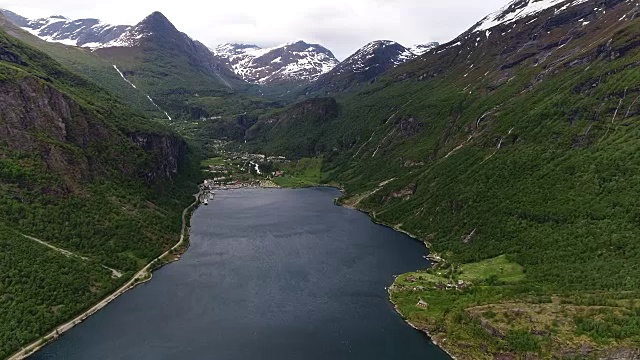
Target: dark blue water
{"points": [[271, 274]]}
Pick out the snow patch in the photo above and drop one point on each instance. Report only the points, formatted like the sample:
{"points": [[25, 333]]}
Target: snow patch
{"points": [[60, 29], [512, 12], [422, 49], [130, 38]]}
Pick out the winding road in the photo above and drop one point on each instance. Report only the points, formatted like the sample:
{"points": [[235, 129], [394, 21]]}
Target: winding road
{"points": [[115, 273]]}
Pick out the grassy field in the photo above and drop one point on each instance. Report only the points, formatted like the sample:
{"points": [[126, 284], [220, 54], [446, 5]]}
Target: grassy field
{"points": [[303, 173], [500, 268], [480, 308]]}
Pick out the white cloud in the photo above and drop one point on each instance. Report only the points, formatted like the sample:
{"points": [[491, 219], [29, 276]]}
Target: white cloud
{"points": [[341, 25]]}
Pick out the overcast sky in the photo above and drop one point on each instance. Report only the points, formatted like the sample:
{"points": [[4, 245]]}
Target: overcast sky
{"points": [[343, 26]]}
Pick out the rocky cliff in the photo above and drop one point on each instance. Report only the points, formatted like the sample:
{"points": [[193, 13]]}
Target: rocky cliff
{"points": [[38, 119], [71, 131], [167, 153]]}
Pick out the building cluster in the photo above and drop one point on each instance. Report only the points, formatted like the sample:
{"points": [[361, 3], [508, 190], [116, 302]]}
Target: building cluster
{"points": [[452, 285]]}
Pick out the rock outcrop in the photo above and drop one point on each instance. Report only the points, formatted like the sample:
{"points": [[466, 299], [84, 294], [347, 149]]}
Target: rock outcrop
{"points": [[74, 143]]}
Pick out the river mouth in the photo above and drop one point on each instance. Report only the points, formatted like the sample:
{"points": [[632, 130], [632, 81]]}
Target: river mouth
{"points": [[270, 274]]}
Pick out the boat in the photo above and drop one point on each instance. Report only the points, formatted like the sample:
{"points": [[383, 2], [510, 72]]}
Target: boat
{"points": [[206, 201]]}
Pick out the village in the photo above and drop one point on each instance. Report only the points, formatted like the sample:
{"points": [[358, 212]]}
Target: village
{"points": [[231, 171], [415, 279]]}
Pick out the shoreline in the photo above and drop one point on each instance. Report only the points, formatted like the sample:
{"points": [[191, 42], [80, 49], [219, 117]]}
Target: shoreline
{"points": [[395, 306], [430, 257], [435, 342], [139, 278], [146, 274], [381, 223]]}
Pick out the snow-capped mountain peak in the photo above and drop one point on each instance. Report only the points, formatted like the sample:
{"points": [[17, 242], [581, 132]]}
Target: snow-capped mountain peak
{"points": [[156, 23], [60, 29], [519, 9], [292, 62], [91, 33], [366, 64], [379, 53]]}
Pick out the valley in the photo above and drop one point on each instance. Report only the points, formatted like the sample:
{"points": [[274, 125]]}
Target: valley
{"points": [[245, 297], [510, 151]]}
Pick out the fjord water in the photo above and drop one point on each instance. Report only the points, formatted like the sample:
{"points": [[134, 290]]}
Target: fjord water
{"points": [[271, 274]]}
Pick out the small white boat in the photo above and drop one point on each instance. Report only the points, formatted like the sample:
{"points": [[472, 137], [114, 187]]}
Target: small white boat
{"points": [[206, 201]]}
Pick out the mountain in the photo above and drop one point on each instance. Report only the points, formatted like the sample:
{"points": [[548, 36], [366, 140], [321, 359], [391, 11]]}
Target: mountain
{"points": [[82, 32], [511, 151], [297, 62], [86, 63], [166, 74], [366, 65], [289, 63], [83, 172], [168, 65], [153, 26]]}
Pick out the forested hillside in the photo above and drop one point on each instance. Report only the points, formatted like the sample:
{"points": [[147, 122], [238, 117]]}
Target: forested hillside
{"points": [[517, 141], [84, 173]]}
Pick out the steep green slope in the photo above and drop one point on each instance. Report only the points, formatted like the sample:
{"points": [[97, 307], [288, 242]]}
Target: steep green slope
{"points": [[295, 131], [82, 172], [521, 142], [171, 67]]}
